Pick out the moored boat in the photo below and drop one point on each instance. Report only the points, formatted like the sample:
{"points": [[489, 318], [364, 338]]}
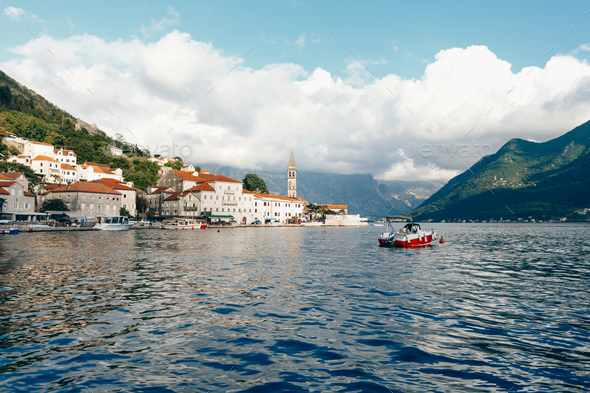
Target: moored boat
{"points": [[184, 223], [411, 235], [112, 223]]}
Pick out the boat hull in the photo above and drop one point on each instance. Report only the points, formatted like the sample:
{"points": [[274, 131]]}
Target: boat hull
{"points": [[112, 227], [414, 242], [190, 227]]}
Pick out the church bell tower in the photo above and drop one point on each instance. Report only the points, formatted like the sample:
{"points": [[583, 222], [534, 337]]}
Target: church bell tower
{"points": [[292, 177]]}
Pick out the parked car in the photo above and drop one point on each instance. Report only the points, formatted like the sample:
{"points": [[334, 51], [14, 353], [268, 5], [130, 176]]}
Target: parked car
{"points": [[257, 222]]}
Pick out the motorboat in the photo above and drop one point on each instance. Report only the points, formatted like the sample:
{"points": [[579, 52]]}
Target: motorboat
{"points": [[184, 223], [112, 223], [411, 235]]}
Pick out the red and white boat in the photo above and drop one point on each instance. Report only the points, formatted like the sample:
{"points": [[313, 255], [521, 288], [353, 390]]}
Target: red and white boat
{"points": [[184, 223], [411, 235]]}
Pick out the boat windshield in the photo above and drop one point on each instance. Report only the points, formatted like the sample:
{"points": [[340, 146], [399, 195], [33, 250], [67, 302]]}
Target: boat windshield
{"points": [[124, 220]]}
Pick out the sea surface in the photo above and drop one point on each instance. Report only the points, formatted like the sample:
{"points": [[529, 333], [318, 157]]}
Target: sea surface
{"points": [[498, 308]]}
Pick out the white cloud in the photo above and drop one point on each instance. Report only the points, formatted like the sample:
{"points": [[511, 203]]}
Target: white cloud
{"points": [[14, 12], [300, 43], [162, 25], [253, 117]]}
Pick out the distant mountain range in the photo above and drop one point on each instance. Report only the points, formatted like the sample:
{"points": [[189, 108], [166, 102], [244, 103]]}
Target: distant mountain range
{"points": [[362, 193], [523, 179]]}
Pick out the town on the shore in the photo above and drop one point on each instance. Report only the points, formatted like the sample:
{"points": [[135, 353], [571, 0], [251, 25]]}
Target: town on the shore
{"points": [[91, 190]]}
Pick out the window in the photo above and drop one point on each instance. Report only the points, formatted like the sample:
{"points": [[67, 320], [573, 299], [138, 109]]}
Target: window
{"points": [[234, 209], [99, 208], [249, 210], [124, 195], [216, 209], [217, 197], [16, 205], [20, 192], [83, 206], [12, 191], [228, 187], [223, 209], [108, 206]]}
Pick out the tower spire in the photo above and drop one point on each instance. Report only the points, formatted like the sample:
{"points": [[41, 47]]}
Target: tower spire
{"points": [[292, 177]]}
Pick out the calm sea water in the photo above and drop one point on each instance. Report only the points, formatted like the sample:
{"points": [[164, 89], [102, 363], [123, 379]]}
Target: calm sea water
{"points": [[495, 308]]}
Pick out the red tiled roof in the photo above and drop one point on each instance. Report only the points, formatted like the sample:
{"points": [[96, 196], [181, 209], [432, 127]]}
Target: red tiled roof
{"points": [[276, 197], [203, 177], [173, 197], [4, 192], [43, 158], [115, 184], [87, 187], [10, 175], [29, 194], [6, 183], [328, 206], [40, 143], [68, 167], [158, 190], [223, 178], [201, 187], [64, 151], [185, 175]]}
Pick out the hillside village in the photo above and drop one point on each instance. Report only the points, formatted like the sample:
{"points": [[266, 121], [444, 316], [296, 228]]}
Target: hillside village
{"points": [[90, 189]]}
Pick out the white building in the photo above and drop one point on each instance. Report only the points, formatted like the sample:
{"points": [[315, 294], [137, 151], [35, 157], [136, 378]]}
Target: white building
{"points": [[47, 168], [218, 197], [69, 174], [17, 200], [34, 149], [128, 194], [115, 151], [21, 159], [65, 156], [91, 171]]}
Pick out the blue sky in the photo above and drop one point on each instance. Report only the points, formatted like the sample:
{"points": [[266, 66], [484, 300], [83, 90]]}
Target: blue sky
{"points": [[397, 37], [351, 87]]}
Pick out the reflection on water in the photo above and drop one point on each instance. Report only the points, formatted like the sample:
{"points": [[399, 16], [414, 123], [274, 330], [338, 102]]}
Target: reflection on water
{"points": [[497, 307]]}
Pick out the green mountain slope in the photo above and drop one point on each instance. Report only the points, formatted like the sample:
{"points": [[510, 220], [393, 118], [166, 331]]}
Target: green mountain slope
{"points": [[522, 179], [29, 115]]}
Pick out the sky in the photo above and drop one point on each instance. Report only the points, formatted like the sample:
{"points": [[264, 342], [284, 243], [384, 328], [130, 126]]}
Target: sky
{"points": [[400, 90]]}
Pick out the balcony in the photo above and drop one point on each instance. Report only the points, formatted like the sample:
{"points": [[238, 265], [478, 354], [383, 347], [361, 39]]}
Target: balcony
{"points": [[229, 192], [229, 203], [191, 208]]}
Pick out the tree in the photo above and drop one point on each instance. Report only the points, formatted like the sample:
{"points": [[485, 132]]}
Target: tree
{"points": [[2, 202], [151, 213], [49, 139], [176, 165], [5, 95], [54, 204], [15, 167], [141, 204], [253, 183], [124, 212]]}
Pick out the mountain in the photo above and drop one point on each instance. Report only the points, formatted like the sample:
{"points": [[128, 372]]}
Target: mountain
{"points": [[29, 115], [362, 193], [522, 179]]}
